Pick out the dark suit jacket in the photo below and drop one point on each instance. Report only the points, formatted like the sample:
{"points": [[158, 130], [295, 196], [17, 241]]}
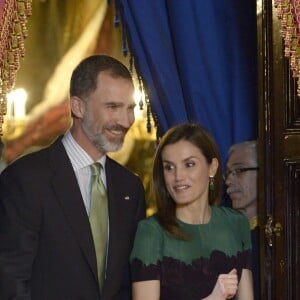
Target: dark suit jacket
{"points": [[46, 247]]}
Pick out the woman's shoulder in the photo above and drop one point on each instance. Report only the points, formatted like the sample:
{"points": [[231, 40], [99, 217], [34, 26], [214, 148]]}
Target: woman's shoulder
{"points": [[149, 234], [229, 213], [233, 220], [150, 222]]}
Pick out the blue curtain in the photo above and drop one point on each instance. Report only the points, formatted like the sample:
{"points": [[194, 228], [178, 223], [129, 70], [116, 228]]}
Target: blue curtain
{"points": [[198, 61]]}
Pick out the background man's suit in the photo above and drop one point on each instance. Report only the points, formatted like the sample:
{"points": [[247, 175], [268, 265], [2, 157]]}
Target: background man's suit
{"points": [[55, 258]]}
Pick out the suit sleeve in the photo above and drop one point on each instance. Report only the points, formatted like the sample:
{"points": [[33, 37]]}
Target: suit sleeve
{"points": [[19, 235], [141, 210]]}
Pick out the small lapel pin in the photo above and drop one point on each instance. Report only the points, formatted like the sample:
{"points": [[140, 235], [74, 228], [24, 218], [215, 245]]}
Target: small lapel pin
{"points": [[126, 198]]}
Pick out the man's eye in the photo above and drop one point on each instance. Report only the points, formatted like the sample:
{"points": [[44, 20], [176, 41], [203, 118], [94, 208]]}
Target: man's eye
{"points": [[112, 106], [238, 171], [190, 164]]}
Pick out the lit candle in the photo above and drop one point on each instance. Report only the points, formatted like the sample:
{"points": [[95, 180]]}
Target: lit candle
{"points": [[19, 100], [10, 103]]}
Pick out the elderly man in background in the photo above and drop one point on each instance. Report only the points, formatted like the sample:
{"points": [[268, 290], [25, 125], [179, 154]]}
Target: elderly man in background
{"points": [[241, 181]]}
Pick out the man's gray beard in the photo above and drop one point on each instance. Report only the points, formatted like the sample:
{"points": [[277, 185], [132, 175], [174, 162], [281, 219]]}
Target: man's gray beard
{"points": [[101, 142], [103, 145]]}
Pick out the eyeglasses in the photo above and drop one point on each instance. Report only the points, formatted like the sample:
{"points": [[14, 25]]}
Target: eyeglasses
{"points": [[239, 171]]}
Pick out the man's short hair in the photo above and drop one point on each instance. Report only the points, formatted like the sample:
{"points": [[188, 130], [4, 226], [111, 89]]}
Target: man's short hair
{"points": [[84, 77]]}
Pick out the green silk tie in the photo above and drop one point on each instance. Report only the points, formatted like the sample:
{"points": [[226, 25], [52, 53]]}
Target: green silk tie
{"points": [[99, 220]]}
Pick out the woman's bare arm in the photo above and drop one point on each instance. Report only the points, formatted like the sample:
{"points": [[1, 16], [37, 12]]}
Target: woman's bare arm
{"points": [[146, 290], [245, 289]]}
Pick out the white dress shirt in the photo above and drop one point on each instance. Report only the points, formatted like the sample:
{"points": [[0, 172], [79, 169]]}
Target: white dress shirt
{"points": [[81, 162]]}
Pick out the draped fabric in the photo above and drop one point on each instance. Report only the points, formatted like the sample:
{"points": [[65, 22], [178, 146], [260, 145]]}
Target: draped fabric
{"points": [[64, 32], [198, 62]]}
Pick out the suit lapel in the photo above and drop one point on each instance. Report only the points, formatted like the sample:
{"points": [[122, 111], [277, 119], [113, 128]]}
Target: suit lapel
{"points": [[68, 194]]}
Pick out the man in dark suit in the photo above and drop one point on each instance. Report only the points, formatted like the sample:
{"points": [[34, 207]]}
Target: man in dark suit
{"points": [[46, 242], [241, 181]]}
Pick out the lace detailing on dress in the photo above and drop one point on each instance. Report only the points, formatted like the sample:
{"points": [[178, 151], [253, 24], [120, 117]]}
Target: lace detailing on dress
{"points": [[184, 281]]}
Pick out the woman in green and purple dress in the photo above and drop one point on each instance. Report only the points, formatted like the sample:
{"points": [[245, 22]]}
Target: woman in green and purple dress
{"points": [[190, 249]]}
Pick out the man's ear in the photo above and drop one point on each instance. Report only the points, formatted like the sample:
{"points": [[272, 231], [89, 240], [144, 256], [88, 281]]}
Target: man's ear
{"points": [[77, 106], [213, 167]]}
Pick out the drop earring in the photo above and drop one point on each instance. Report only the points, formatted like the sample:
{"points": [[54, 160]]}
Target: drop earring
{"points": [[211, 184]]}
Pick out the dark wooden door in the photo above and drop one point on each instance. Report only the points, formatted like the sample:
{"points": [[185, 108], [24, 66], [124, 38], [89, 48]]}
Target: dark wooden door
{"points": [[279, 147]]}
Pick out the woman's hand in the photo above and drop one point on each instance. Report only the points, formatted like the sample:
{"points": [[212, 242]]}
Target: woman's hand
{"points": [[225, 287]]}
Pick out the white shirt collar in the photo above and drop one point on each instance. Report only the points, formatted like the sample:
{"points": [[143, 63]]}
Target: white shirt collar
{"points": [[78, 156]]}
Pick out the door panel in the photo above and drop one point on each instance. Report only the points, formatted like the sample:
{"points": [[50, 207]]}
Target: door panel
{"points": [[279, 148]]}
